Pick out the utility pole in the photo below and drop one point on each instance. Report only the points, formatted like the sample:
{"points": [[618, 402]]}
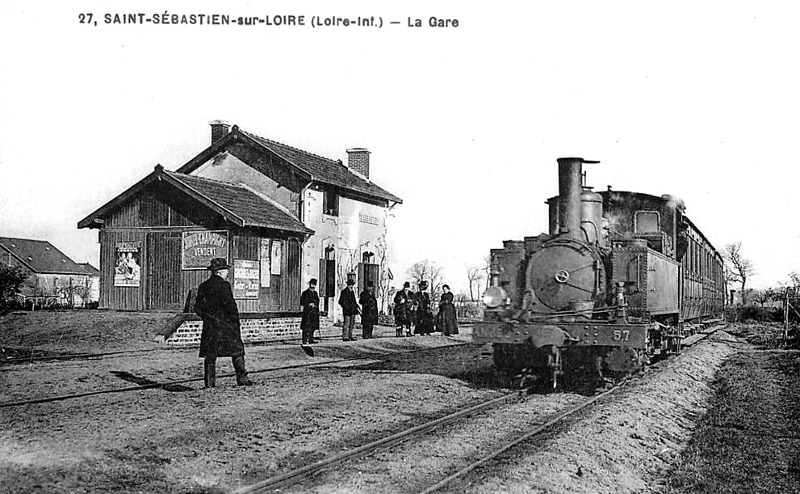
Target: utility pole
{"points": [[786, 316]]}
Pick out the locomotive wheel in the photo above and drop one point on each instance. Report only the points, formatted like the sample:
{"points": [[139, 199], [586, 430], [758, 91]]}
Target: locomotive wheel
{"points": [[622, 359]]}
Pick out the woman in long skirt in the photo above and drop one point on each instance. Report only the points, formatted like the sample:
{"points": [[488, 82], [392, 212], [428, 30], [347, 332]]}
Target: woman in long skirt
{"points": [[446, 321]]}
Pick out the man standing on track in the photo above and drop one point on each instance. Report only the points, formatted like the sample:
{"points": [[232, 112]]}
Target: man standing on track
{"points": [[309, 301], [349, 309], [221, 332]]}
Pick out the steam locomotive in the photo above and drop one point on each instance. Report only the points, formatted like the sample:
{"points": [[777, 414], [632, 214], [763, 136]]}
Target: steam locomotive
{"points": [[621, 278]]}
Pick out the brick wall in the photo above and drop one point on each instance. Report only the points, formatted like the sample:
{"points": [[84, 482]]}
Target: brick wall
{"points": [[253, 330]]}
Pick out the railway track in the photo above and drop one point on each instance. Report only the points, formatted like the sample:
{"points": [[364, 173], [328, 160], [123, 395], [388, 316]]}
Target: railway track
{"points": [[122, 353], [304, 473], [307, 472], [175, 384]]}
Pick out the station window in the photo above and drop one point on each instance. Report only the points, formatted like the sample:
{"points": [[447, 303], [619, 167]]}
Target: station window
{"points": [[646, 222], [330, 201]]}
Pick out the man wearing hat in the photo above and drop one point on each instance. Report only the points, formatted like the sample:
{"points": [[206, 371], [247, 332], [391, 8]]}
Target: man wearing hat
{"points": [[403, 309], [424, 324], [221, 332], [369, 310], [350, 310], [309, 301]]}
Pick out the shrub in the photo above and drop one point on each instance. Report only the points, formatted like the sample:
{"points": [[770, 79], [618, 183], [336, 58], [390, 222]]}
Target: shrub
{"points": [[11, 277]]}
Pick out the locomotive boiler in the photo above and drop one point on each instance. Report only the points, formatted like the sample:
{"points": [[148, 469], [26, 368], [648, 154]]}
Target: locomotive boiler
{"points": [[621, 277]]}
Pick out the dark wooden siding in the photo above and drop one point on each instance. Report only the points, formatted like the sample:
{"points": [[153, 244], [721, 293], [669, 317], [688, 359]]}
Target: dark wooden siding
{"points": [[116, 297], [163, 271], [157, 220], [291, 283]]}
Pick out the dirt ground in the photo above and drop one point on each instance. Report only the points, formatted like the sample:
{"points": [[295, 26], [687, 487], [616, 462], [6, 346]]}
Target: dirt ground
{"points": [[191, 440]]}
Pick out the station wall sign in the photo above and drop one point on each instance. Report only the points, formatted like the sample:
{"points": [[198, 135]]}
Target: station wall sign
{"points": [[198, 248], [245, 279]]}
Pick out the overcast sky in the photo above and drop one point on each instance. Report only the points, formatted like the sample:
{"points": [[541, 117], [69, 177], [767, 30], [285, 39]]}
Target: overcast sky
{"points": [[695, 99]]}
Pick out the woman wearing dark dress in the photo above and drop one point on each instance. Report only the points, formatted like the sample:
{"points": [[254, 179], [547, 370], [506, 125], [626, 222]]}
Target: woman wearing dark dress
{"points": [[446, 321], [424, 325]]}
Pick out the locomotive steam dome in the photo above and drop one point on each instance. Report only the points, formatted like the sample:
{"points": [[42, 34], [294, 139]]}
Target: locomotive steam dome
{"points": [[564, 272]]}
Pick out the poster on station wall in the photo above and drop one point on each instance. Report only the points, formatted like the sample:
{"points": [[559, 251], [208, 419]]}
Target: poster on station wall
{"points": [[245, 279], [275, 261], [264, 256], [127, 267], [198, 248]]}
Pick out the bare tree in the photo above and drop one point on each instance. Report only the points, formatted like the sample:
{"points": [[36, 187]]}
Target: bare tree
{"points": [[737, 268], [384, 275], [346, 264], [429, 271], [764, 296], [475, 276], [794, 280]]}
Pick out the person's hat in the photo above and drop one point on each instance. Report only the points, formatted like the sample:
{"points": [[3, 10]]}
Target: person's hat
{"points": [[406, 285], [446, 286], [312, 281], [423, 284], [218, 263], [370, 284], [350, 282]]}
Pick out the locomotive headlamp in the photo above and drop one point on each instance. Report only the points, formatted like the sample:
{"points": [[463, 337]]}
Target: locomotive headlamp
{"points": [[494, 297]]}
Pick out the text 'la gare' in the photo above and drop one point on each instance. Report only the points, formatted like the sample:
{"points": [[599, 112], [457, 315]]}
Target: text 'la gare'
{"points": [[433, 22]]}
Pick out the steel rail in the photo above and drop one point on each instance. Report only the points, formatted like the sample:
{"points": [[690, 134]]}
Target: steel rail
{"points": [[122, 353], [542, 428], [200, 379], [73, 356], [534, 432], [294, 476]]}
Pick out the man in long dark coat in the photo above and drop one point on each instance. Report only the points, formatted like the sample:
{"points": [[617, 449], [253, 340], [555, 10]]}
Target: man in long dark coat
{"points": [[369, 310], [309, 301], [424, 325], [221, 332], [403, 309], [350, 310]]}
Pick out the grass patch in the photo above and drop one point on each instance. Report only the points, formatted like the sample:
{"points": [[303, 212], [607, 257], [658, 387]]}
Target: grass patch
{"points": [[749, 439]]}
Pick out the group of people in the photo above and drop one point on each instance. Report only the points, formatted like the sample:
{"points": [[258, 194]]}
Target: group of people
{"points": [[409, 309], [366, 306], [415, 308], [221, 336]]}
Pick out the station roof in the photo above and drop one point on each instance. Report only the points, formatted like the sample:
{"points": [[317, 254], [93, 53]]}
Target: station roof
{"points": [[236, 203]]}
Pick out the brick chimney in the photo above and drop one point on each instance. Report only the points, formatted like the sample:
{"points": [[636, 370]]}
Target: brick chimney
{"points": [[219, 129], [358, 160]]}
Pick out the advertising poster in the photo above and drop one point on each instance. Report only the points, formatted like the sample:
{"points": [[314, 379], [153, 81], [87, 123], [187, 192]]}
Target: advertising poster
{"points": [[275, 262], [198, 248], [127, 267], [265, 264], [245, 279]]}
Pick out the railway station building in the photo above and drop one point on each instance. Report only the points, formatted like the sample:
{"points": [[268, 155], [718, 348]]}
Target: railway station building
{"points": [[279, 215]]}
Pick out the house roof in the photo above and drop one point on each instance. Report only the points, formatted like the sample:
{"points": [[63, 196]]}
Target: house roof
{"points": [[314, 167], [236, 203], [90, 270], [39, 256]]}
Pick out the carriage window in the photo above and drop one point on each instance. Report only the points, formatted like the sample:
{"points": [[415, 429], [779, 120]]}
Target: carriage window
{"points": [[646, 222]]}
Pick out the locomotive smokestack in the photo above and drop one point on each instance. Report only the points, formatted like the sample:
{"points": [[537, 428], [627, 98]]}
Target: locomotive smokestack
{"points": [[569, 196]]}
